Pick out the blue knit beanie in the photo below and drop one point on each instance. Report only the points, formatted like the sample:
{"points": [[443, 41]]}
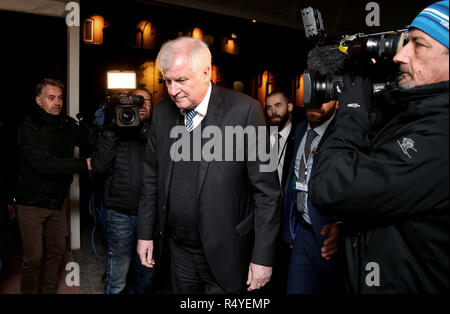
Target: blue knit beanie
{"points": [[433, 20]]}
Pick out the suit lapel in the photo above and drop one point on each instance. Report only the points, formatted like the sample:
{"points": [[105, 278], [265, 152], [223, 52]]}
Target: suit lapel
{"points": [[175, 118], [213, 117], [288, 156]]}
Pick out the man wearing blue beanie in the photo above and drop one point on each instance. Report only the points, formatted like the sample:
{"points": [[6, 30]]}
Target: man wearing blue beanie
{"points": [[391, 191], [424, 60]]}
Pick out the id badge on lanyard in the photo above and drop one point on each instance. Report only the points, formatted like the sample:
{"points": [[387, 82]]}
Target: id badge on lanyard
{"points": [[300, 186]]}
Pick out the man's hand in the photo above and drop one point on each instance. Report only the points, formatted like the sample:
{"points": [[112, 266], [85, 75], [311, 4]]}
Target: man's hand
{"points": [[330, 245], [145, 252], [356, 94], [12, 211], [258, 276], [88, 161]]}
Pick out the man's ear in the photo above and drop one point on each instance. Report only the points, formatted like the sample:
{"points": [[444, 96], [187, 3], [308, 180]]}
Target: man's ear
{"points": [[290, 107], [38, 100], [207, 73]]}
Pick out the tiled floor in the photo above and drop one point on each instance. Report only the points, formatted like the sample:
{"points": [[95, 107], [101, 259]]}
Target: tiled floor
{"points": [[91, 268], [12, 272]]}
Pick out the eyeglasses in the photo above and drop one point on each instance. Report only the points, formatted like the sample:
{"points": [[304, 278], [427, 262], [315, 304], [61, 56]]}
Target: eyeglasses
{"points": [[147, 102]]}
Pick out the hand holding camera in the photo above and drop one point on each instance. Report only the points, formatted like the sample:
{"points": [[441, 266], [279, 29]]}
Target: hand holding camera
{"points": [[356, 95]]}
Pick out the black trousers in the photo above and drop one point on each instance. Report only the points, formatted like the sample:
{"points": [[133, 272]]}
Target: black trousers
{"points": [[190, 272]]}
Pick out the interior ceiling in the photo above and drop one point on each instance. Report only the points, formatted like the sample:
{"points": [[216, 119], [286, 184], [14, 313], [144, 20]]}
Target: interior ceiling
{"points": [[339, 16]]}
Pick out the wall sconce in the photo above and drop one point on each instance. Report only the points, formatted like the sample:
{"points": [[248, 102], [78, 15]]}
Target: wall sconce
{"points": [[260, 80], [197, 33], [93, 29], [145, 35]]}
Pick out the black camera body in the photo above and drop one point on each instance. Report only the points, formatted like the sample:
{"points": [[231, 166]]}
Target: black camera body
{"points": [[127, 110]]}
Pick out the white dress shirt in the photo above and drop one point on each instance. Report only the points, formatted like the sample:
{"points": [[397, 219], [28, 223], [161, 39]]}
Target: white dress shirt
{"points": [[320, 130], [201, 109]]}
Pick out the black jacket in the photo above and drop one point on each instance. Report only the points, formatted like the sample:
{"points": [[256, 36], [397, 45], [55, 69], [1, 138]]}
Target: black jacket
{"points": [[45, 159], [391, 192], [237, 204], [119, 155]]}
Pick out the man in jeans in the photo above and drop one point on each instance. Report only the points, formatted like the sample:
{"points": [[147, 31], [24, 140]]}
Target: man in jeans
{"points": [[118, 155], [46, 142]]}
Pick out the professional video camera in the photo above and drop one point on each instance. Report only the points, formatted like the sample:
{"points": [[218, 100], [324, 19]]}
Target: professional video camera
{"points": [[359, 54], [126, 107], [127, 110]]}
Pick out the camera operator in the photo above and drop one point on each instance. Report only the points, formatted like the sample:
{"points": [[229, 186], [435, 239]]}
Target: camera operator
{"points": [[46, 142], [119, 154], [391, 191]]}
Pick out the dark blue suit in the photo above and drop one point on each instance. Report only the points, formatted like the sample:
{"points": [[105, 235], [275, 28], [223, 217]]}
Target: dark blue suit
{"points": [[308, 272]]}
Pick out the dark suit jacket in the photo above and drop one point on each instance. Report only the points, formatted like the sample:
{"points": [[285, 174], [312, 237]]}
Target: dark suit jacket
{"points": [[289, 209], [238, 206]]}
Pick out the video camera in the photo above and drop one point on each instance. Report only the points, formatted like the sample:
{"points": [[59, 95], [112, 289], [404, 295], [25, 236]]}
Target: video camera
{"points": [[369, 55], [126, 108]]}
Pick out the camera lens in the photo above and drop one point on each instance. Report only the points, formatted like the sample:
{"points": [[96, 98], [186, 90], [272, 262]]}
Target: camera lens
{"points": [[316, 90], [127, 116]]}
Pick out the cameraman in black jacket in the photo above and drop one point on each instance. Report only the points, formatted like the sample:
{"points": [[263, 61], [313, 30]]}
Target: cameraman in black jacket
{"points": [[119, 154], [46, 142], [392, 191]]}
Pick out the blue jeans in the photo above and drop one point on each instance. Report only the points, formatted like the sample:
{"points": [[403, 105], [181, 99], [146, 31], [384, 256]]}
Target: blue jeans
{"points": [[121, 250]]}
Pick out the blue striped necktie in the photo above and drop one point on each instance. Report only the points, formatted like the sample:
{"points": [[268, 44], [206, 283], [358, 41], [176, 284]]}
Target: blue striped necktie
{"points": [[190, 114]]}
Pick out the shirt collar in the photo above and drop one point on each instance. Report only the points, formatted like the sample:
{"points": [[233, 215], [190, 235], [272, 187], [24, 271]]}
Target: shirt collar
{"points": [[320, 130], [285, 132], [202, 107]]}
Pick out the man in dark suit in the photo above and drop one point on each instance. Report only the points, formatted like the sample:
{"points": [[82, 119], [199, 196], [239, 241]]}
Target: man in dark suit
{"points": [[219, 218], [279, 113], [311, 236], [279, 110]]}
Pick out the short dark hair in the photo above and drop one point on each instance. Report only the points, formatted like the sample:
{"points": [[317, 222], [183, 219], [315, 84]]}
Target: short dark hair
{"points": [[280, 92], [48, 81], [143, 89]]}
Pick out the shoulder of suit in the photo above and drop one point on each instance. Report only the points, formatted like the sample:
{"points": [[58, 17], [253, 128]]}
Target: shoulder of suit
{"points": [[232, 97], [166, 104]]}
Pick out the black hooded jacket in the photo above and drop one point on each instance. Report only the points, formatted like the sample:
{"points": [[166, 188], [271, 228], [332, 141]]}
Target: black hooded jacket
{"points": [[46, 162], [392, 193]]}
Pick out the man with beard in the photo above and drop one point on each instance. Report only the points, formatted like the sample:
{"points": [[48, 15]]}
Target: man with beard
{"points": [[392, 191], [311, 236], [279, 113]]}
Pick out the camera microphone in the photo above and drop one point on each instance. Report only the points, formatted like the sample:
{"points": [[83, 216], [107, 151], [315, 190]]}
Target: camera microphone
{"points": [[327, 60]]}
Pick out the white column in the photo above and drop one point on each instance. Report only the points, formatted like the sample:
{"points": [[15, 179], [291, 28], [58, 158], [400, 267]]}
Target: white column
{"points": [[73, 107]]}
